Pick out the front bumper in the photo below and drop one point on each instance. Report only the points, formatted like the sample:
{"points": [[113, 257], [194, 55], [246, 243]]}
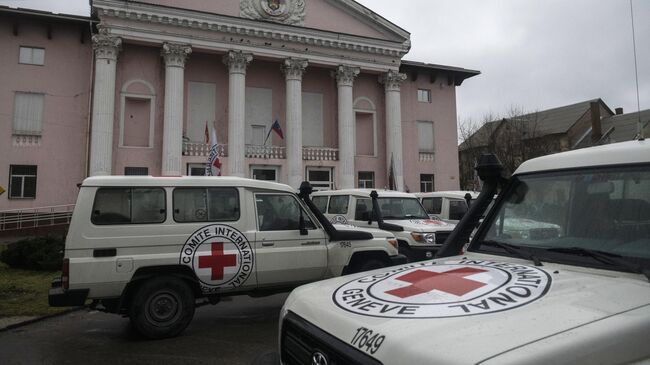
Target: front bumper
{"points": [[423, 252], [58, 297], [398, 259]]}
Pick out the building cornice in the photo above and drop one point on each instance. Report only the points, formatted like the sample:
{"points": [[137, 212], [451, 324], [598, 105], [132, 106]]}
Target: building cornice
{"points": [[147, 13]]}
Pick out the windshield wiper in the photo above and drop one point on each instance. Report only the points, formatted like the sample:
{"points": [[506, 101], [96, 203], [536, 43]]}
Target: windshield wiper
{"points": [[515, 250], [604, 257]]}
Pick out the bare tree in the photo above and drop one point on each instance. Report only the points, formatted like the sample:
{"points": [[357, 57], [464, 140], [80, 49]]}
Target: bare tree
{"points": [[514, 138]]}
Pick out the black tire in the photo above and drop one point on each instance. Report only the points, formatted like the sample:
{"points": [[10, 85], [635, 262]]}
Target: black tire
{"points": [[162, 307], [369, 264]]}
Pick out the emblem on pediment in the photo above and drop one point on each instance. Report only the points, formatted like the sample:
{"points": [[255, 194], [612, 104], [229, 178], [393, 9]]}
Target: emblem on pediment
{"points": [[280, 11]]}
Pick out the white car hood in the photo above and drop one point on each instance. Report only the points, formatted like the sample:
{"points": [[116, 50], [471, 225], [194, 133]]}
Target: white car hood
{"points": [[566, 297], [422, 225], [377, 233]]}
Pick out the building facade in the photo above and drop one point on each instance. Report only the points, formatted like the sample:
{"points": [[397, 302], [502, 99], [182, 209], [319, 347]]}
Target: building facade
{"points": [[154, 77]]}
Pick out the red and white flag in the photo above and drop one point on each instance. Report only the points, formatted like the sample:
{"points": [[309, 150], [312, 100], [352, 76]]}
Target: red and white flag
{"points": [[213, 166]]}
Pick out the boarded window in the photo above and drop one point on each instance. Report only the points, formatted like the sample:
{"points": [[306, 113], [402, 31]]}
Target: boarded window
{"points": [[28, 113], [137, 119], [365, 136], [425, 136]]}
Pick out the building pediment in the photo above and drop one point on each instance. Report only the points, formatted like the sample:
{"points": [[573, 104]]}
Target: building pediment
{"points": [[155, 21]]}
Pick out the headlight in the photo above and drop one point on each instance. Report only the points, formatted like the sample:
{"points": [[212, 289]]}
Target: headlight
{"points": [[429, 238]]}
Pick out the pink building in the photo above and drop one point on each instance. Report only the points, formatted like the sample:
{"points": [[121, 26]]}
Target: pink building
{"points": [[138, 94]]}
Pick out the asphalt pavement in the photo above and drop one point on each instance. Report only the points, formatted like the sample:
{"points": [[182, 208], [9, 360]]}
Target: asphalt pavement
{"points": [[235, 331]]}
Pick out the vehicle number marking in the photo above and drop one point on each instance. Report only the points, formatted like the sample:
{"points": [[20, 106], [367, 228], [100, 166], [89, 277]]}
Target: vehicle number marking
{"points": [[367, 340]]}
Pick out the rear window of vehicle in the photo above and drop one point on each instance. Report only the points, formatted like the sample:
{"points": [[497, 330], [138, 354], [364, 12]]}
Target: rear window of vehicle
{"points": [[128, 206], [338, 204], [320, 202], [206, 205]]}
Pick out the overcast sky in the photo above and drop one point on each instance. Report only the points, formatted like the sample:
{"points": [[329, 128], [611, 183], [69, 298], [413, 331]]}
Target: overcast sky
{"points": [[533, 54]]}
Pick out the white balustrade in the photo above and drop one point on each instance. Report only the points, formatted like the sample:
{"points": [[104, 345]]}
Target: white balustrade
{"points": [[427, 156], [266, 152], [320, 154], [203, 149]]}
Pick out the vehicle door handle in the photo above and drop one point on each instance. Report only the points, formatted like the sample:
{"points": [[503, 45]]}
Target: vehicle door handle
{"points": [[310, 243], [267, 244]]}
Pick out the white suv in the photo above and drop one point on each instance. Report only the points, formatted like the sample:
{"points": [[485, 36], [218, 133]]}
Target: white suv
{"points": [[449, 206], [399, 213], [578, 294], [150, 247]]}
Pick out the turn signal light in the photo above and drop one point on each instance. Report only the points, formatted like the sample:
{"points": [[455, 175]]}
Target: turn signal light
{"points": [[393, 242]]}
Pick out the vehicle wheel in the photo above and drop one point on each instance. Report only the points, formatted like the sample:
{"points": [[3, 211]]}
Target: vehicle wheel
{"points": [[162, 307], [370, 264]]}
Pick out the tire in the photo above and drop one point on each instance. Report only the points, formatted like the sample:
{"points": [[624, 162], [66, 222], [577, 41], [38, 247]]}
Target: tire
{"points": [[162, 307], [367, 265]]}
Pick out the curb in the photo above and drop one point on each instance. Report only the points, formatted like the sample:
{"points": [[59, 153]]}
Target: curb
{"points": [[38, 319]]}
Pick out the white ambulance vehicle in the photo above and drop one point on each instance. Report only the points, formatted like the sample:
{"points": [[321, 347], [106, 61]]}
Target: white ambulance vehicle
{"points": [[580, 295], [149, 248], [399, 213]]}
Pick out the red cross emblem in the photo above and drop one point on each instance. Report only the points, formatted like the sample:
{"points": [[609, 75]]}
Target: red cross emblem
{"points": [[217, 261], [452, 282]]}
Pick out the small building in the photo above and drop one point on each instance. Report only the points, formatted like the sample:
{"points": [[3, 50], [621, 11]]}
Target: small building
{"points": [[521, 137]]}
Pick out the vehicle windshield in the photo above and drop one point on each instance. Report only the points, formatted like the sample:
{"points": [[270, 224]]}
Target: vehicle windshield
{"points": [[605, 210], [402, 208]]}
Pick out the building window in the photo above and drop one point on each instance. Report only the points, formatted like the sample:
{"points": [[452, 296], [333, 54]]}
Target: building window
{"points": [[320, 178], [28, 113], [366, 179], [425, 137], [135, 171], [426, 183], [264, 173], [424, 95], [22, 181], [31, 56], [195, 169]]}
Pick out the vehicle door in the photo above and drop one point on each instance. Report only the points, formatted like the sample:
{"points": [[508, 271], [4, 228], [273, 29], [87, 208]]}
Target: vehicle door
{"points": [[363, 213], [283, 254]]}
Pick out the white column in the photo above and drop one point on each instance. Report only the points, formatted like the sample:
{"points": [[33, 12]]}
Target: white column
{"points": [[175, 56], [344, 79], [101, 139], [392, 81], [237, 62], [293, 70]]}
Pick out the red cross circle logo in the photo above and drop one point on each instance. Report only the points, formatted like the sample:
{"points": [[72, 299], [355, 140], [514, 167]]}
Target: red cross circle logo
{"points": [[452, 282], [217, 261]]}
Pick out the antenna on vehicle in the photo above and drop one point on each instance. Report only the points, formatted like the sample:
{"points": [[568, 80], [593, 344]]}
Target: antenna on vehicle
{"points": [[639, 126]]}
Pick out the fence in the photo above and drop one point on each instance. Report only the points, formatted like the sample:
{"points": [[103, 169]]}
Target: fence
{"points": [[35, 217]]}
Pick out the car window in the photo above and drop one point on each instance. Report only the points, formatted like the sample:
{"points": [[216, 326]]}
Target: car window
{"points": [[206, 204], [128, 206], [457, 209], [280, 212], [320, 202], [402, 208], [363, 211], [338, 204], [605, 209], [432, 205]]}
